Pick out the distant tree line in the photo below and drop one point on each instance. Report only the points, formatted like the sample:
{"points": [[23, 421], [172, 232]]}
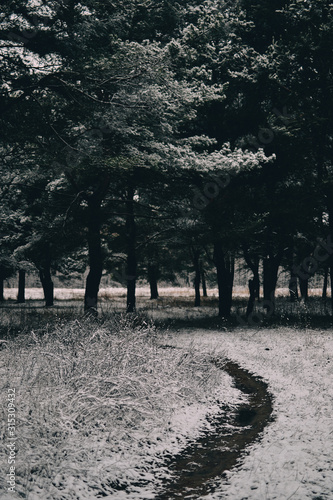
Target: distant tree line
{"points": [[139, 138]]}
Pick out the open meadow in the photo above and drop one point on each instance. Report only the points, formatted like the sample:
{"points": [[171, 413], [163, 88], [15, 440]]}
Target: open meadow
{"points": [[174, 304]]}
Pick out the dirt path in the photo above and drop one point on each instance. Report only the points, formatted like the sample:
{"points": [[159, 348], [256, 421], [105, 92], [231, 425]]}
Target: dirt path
{"points": [[196, 468]]}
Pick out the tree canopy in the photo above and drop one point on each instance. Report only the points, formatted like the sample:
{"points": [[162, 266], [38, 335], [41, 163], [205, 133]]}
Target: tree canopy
{"points": [[210, 120]]}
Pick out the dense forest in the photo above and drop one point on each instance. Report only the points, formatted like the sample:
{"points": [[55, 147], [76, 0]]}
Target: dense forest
{"points": [[141, 137]]}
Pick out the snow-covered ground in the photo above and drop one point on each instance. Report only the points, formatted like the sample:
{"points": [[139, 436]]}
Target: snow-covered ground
{"points": [[294, 459], [185, 426], [100, 408]]}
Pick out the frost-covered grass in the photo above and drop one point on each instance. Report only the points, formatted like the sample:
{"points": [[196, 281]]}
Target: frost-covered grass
{"points": [[97, 403], [173, 304], [174, 308], [294, 459], [100, 405]]}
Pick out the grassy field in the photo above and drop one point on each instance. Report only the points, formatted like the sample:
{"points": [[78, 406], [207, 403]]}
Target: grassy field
{"points": [[174, 307], [96, 402], [99, 403]]}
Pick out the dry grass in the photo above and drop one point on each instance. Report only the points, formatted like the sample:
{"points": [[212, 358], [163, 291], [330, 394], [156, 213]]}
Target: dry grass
{"points": [[84, 390]]}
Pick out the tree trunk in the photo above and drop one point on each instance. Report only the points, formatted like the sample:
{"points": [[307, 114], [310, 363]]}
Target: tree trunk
{"points": [[304, 288], [331, 279], [95, 255], [2, 298], [47, 284], [252, 298], [203, 281], [330, 258], [225, 278], [152, 278], [329, 197], [21, 287], [325, 284], [270, 267], [44, 268], [196, 264], [256, 282], [131, 253], [253, 264]]}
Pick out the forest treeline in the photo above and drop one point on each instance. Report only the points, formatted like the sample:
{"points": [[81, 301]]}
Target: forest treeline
{"points": [[140, 137]]}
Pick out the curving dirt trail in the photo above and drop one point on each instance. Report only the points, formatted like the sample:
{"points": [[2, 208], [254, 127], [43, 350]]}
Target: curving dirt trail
{"points": [[197, 467]]}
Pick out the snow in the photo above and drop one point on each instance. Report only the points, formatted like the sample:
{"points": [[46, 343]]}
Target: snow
{"points": [[294, 458], [185, 426], [70, 445], [138, 465]]}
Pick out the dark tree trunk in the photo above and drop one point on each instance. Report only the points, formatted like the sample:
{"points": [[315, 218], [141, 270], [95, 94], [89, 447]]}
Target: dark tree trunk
{"points": [[47, 284], [203, 281], [225, 278], [152, 278], [44, 269], [21, 287], [252, 298], [329, 197], [330, 258], [325, 284], [331, 279], [2, 298], [254, 283], [270, 268], [197, 278], [95, 254], [131, 253], [304, 288], [94, 240]]}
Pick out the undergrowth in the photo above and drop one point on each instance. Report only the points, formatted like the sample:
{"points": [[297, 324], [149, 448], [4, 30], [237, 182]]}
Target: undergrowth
{"points": [[85, 391]]}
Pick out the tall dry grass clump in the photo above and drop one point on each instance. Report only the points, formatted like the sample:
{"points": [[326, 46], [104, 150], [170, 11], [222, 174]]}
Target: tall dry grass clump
{"points": [[85, 391]]}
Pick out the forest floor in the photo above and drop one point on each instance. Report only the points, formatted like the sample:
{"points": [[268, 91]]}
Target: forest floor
{"points": [[67, 460]]}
